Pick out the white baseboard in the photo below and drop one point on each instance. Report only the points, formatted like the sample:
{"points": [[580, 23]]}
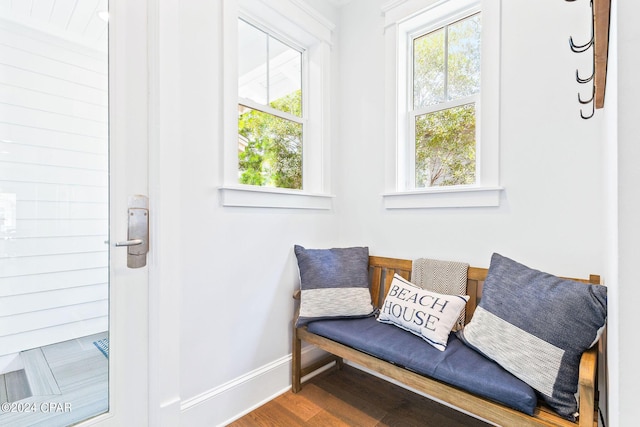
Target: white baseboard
{"points": [[229, 401]]}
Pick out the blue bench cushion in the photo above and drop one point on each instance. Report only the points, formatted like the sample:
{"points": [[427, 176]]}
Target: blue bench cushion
{"points": [[458, 365]]}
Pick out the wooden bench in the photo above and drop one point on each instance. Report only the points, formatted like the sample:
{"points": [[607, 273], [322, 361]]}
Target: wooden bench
{"points": [[381, 273]]}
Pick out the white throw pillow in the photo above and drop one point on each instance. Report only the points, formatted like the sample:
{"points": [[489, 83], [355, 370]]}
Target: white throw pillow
{"points": [[427, 314]]}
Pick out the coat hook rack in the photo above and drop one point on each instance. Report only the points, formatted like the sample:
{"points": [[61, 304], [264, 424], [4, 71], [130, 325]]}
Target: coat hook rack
{"points": [[598, 45]]}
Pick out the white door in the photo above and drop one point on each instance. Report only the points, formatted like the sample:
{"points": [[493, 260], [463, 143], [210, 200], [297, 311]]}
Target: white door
{"points": [[128, 392], [73, 150]]}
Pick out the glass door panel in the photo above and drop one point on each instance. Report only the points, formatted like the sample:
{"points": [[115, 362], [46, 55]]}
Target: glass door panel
{"points": [[54, 212]]}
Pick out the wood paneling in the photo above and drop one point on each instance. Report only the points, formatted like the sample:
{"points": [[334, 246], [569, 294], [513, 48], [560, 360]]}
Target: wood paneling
{"points": [[53, 183], [72, 19], [601, 14]]}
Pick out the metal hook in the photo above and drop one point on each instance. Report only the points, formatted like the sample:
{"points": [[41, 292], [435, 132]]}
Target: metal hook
{"points": [[581, 80], [583, 47], [593, 111], [586, 101], [580, 48]]}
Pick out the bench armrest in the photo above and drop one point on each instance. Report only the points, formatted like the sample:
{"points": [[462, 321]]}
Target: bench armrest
{"points": [[587, 386]]}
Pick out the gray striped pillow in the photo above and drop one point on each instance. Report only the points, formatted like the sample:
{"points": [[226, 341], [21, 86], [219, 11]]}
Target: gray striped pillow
{"points": [[334, 283], [537, 326]]}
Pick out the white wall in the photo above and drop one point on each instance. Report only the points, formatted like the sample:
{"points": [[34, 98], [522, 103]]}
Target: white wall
{"points": [[237, 272], [623, 213], [234, 269], [550, 214], [609, 366], [53, 189]]}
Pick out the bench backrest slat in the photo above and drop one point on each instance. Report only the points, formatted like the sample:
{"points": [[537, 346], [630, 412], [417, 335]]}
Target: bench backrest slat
{"points": [[381, 271]]}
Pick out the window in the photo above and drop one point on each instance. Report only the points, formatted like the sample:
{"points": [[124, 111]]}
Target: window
{"points": [[276, 98], [445, 80], [270, 119], [444, 134]]}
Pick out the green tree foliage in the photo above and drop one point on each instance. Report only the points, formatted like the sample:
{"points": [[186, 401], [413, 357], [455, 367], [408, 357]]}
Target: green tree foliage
{"points": [[428, 69], [464, 58], [446, 147], [446, 67], [273, 152]]}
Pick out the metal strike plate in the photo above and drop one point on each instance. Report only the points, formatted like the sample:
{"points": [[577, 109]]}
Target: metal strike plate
{"points": [[137, 242], [139, 230]]}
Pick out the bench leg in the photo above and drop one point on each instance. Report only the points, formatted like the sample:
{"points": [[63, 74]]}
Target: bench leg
{"points": [[297, 372], [296, 368]]}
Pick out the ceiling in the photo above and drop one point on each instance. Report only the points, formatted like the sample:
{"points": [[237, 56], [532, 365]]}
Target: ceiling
{"points": [[76, 20], [339, 3], [81, 21]]}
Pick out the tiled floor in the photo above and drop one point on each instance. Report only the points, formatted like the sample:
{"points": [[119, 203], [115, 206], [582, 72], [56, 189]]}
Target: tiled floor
{"points": [[71, 385]]}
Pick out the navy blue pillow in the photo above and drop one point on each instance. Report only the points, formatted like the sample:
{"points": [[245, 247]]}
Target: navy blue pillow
{"points": [[333, 283], [537, 326]]}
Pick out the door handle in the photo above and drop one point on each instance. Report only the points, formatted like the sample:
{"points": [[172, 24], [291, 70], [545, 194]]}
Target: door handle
{"points": [[138, 232], [133, 242]]}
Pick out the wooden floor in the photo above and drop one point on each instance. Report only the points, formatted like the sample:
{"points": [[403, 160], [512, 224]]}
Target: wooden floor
{"points": [[14, 386], [350, 397], [71, 384]]}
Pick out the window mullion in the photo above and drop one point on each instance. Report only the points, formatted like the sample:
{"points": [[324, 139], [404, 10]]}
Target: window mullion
{"points": [[268, 70], [411, 170], [446, 63], [446, 105], [270, 110]]}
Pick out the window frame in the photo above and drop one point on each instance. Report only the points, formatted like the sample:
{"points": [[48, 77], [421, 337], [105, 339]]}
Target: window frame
{"points": [[403, 22], [446, 104], [304, 29], [266, 108]]}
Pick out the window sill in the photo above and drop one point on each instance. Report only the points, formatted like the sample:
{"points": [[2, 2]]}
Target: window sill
{"points": [[452, 197], [279, 198]]}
